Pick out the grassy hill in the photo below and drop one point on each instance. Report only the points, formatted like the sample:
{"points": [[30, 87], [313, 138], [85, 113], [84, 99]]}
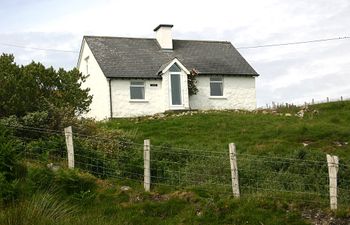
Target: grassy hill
{"points": [[324, 129], [282, 149]]}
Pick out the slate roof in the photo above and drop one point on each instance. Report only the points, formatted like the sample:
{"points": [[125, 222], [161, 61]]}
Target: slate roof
{"points": [[143, 58]]}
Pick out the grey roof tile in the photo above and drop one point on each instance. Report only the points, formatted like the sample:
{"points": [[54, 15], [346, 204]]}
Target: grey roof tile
{"points": [[142, 57]]}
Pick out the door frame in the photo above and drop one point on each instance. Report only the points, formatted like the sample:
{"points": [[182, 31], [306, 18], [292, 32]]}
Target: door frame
{"points": [[181, 106]]}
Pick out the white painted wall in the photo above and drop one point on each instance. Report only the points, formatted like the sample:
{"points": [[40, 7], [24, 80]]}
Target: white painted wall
{"points": [[123, 106], [238, 93], [98, 84], [157, 99]]}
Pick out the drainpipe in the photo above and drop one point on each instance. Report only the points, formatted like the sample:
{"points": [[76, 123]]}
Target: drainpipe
{"points": [[110, 98]]}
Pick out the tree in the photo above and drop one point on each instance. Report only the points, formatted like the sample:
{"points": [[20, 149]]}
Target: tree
{"points": [[32, 88]]}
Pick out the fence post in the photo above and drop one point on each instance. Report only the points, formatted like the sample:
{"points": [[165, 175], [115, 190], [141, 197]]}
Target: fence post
{"points": [[70, 148], [341, 98], [234, 170], [313, 101], [327, 99], [333, 165], [146, 165]]}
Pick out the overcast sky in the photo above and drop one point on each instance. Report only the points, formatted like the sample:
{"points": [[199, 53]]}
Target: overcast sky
{"points": [[294, 73]]}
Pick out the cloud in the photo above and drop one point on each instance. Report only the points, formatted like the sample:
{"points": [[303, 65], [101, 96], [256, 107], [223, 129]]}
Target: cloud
{"points": [[287, 73], [63, 41]]}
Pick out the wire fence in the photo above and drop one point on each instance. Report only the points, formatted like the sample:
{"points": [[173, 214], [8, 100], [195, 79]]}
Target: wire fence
{"points": [[276, 105], [206, 172]]}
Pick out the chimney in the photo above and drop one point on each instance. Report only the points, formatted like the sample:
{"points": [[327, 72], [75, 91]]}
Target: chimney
{"points": [[163, 36]]}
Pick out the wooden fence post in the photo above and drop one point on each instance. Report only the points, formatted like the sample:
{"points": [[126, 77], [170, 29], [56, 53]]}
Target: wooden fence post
{"points": [[70, 147], [333, 165], [147, 163], [234, 170]]}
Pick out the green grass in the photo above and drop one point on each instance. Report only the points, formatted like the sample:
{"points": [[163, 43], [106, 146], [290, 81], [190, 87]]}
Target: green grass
{"points": [[254, 133], [113, 206]]}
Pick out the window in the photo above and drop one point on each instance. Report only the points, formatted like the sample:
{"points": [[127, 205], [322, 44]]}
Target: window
{"points": [[175, 68], [137, 90], [87, 64], [216, 86]]}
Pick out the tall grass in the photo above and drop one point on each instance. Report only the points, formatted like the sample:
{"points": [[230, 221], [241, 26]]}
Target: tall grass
{"points": [[40, 209]]}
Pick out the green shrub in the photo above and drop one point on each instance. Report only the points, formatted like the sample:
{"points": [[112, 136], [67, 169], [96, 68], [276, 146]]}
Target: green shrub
{"points": [[52, 146], [11, 168], [39, 178], [72, 181]]}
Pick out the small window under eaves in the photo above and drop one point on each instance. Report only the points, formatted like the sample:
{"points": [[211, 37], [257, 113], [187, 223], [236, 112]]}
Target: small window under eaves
{"points": [[175, 68]]}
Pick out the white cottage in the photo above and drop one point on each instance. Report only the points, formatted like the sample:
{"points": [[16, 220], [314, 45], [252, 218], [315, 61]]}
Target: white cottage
{"points": [[131, 77]]}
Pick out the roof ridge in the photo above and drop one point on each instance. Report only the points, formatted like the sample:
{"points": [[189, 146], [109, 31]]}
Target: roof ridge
{"points": [[216, 41], [112, 37], [98, 36]]}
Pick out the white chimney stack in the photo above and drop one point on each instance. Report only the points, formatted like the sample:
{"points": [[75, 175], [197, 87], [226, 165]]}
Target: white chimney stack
{"points": [[164, 36]]}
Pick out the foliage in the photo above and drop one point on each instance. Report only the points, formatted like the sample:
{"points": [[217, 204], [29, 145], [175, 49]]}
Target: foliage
{"points": [[41, 209], [39, 178], [31, 88], [11, 169], [192, 83], [72, 181]]}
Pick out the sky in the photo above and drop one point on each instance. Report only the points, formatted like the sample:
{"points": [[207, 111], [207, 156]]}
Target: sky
{"points": [[291, 73]]}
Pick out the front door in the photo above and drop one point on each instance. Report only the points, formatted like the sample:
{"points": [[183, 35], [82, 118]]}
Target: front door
{"points": [[175, 89]]}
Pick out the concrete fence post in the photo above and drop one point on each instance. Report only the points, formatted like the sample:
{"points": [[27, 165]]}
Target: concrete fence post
{"points": [[234, 170], [147, 163], [70, 147], [333, 165]]}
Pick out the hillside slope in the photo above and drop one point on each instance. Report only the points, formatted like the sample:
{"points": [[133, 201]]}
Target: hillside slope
{"points": [[324, 128]]}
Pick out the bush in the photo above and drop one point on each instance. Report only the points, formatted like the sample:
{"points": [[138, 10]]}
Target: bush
{"points": [[11, 169], [39, 178], [72, 181], [34, 87]]}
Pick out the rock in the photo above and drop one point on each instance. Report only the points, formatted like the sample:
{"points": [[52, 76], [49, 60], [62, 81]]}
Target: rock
{"points": [[288, 114], [161, 115], [53, 167], [300, 113], [265, 112], [125, 188], [199, 213]]}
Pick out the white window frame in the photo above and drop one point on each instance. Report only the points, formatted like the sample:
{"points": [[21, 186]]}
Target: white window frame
{"points": [[222, 85], [139, 86]]}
